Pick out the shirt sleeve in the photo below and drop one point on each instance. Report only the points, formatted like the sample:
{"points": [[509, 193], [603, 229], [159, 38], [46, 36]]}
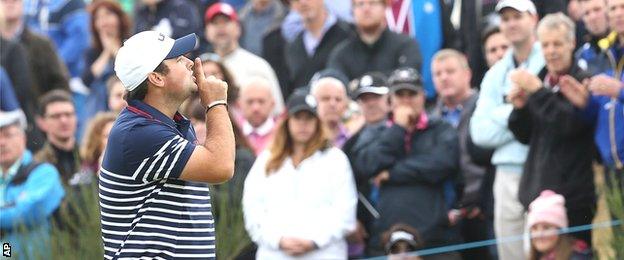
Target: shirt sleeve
{"points": [[156, 151]]}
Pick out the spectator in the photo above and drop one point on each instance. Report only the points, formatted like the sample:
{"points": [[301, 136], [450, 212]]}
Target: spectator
{"points": [[331, 95], [13, 59], [374, 47], [400, 242], [110, 26], [257, 18], [543, 119], [285, 214], [456, 104], [488, 126], [409, 162], [66, 22], [495, 45], [223, 31], [546, 219], [47, 70], [116, 92], [607, 97], [93, 147], [30, 191], [594, 15], [173, 18], [310, 50], [57, 118], [372, 98], [428, 22], [256, 104]]}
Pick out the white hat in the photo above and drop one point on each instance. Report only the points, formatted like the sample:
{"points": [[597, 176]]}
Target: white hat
{"points": [[519, 5], [8, 118], [144, 51]]}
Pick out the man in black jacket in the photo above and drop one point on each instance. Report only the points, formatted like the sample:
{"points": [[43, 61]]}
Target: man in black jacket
{"points": [[374, 47], [560, 142], [409, 162], [309, 52], [372, 98]]}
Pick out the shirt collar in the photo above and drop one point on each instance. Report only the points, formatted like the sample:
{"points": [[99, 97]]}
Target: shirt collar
{"points": [[262, 130], [11, 171], [447, 110], [310, 42], [142, 109]]}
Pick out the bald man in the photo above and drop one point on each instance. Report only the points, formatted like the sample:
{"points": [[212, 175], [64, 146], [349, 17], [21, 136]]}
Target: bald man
{"points": [[256, 103], [331, 95]]}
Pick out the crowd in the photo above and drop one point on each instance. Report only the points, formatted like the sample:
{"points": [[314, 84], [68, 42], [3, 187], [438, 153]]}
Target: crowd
{"points": [[362, 127]]}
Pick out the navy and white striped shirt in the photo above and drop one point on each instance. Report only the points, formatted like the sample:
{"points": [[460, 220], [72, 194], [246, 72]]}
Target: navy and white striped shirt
{"points": [[146, 211]]}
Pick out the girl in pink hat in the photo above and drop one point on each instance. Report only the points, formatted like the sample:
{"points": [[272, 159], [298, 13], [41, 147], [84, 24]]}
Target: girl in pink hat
{"points": [[547, 218]]}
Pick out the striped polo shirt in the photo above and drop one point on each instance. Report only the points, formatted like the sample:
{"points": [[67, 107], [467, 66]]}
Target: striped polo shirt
{"points": [[146, 211]]}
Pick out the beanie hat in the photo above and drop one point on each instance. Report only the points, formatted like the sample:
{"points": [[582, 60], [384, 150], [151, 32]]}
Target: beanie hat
{"points": [[549, 207]]}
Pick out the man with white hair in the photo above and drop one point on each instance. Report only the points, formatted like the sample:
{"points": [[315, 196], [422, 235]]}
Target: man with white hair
{"points": [[546, 121], [29, 191], [256, 104], [331, 95]]}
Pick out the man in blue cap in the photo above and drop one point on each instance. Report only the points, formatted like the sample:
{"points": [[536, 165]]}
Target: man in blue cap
{"points": [[153, 201]]}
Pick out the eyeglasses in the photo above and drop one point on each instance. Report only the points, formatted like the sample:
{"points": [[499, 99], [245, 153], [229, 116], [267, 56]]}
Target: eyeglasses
{"points": [[361, 4], [57, 116]]}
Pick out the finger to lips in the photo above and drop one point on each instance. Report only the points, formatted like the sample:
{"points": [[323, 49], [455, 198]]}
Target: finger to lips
{"points": [[198, 71]]}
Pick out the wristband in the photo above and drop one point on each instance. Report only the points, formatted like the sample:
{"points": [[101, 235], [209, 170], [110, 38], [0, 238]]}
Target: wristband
{"points": [[216, 103]]}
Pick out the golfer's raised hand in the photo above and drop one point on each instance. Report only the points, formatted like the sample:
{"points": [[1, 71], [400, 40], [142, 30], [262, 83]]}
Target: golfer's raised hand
{"points": [[210, 88]]}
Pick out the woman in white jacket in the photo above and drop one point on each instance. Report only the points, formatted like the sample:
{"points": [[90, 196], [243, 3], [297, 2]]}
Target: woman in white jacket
{"points": [[299, 198]]}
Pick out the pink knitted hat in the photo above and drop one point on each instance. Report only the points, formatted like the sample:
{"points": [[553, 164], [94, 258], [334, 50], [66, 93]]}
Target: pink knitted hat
{"points": [[549, 207]]}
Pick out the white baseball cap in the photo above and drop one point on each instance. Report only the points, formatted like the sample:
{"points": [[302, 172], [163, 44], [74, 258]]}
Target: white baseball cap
{"points": [[144, 51], [8, 118], [519, 5]]}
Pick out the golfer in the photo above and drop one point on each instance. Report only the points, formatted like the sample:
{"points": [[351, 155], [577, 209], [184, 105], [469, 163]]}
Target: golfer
{"points": [[153, 198]]}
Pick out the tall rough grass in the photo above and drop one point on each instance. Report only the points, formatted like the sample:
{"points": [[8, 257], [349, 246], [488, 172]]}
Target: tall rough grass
{"points": [[615, 200]]}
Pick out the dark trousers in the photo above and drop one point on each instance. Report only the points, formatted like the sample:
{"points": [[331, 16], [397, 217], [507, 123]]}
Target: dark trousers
{"points": [[473, 230], [580, 217]]}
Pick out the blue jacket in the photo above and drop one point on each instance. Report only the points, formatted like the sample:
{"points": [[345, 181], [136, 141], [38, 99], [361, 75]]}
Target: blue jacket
{"points": [[488, 125], [608, 113], [589, 57], [8, 100], [30, 199], [67, 24]]}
